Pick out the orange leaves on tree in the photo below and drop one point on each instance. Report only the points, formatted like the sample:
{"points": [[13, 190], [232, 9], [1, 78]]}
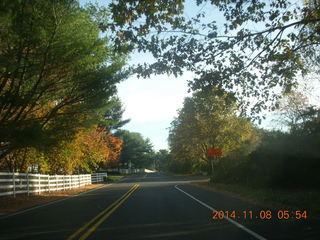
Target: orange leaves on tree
{"points": [[96, 148], [89, 150], [115, 145]]}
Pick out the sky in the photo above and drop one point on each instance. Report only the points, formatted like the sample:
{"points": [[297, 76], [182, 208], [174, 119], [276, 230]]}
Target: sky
{"points": [[152, 104]]}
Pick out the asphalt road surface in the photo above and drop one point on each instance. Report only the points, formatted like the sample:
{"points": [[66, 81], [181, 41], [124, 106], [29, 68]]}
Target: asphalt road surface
{"points": [[155, 206]]}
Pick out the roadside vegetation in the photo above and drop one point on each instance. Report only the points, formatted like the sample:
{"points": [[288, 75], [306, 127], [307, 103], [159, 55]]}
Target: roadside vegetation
{"points": [[251, 156], [113, 178]]}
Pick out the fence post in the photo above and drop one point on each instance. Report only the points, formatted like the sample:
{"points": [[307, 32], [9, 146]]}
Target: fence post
{"points": [[20, 180], [28, 187], [14, 184], [49, 182], [64, 185], [56, 178], [39, 184], [79, 179]]}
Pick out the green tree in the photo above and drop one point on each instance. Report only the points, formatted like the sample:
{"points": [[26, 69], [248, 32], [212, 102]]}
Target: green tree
{"points": [[208, 120], [56, 72], [161, 160], [113, 115], [136, 151], [289, 159]]}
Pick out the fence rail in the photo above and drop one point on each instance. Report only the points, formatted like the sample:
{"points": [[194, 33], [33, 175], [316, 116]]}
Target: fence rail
{"points": [[18, 183], [98, 177]]}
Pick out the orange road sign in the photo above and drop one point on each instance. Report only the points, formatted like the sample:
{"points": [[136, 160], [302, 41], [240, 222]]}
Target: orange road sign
{"points": [[212, 152]]}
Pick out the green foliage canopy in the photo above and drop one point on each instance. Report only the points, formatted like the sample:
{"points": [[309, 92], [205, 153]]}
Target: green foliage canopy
{"points": [[136, 150], [56, 72]]}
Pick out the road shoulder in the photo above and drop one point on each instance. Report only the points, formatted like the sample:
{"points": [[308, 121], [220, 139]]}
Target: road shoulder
{"points": [[10, 204], [278, 199]]}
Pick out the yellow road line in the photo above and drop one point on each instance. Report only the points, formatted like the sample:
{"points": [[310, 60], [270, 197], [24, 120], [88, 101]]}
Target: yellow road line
{"points": [[124, 196], [97, 224]]}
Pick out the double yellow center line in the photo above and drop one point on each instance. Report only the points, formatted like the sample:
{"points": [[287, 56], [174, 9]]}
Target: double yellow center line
{"points": [[95, 222]]}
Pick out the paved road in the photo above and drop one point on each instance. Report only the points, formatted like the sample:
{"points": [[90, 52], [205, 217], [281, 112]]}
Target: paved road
{"points": [[152, 206]]}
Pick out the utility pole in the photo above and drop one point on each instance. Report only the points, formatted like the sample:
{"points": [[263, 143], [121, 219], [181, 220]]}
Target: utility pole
{"points": [[211, 160]]}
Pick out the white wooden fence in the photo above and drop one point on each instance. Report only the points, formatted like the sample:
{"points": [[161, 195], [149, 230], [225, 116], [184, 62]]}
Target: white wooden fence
{"points": [[17, 183], [98, 177]]}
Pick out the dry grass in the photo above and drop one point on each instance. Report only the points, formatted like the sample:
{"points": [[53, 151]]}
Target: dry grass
{"points": [[10, 204]]}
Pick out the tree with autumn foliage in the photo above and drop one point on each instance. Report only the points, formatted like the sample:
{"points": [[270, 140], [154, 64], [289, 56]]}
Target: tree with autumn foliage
{"points": [[209, 119], [58, 78], [57, 73], [89, 150]]}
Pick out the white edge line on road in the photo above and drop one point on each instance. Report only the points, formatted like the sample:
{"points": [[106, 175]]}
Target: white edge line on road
{"points": [[256, 235], [50, 203]]}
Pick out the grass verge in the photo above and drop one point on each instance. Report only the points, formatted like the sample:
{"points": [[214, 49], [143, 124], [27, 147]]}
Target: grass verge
{"points": [[114, 178], [293, 199], [10, 204]]}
